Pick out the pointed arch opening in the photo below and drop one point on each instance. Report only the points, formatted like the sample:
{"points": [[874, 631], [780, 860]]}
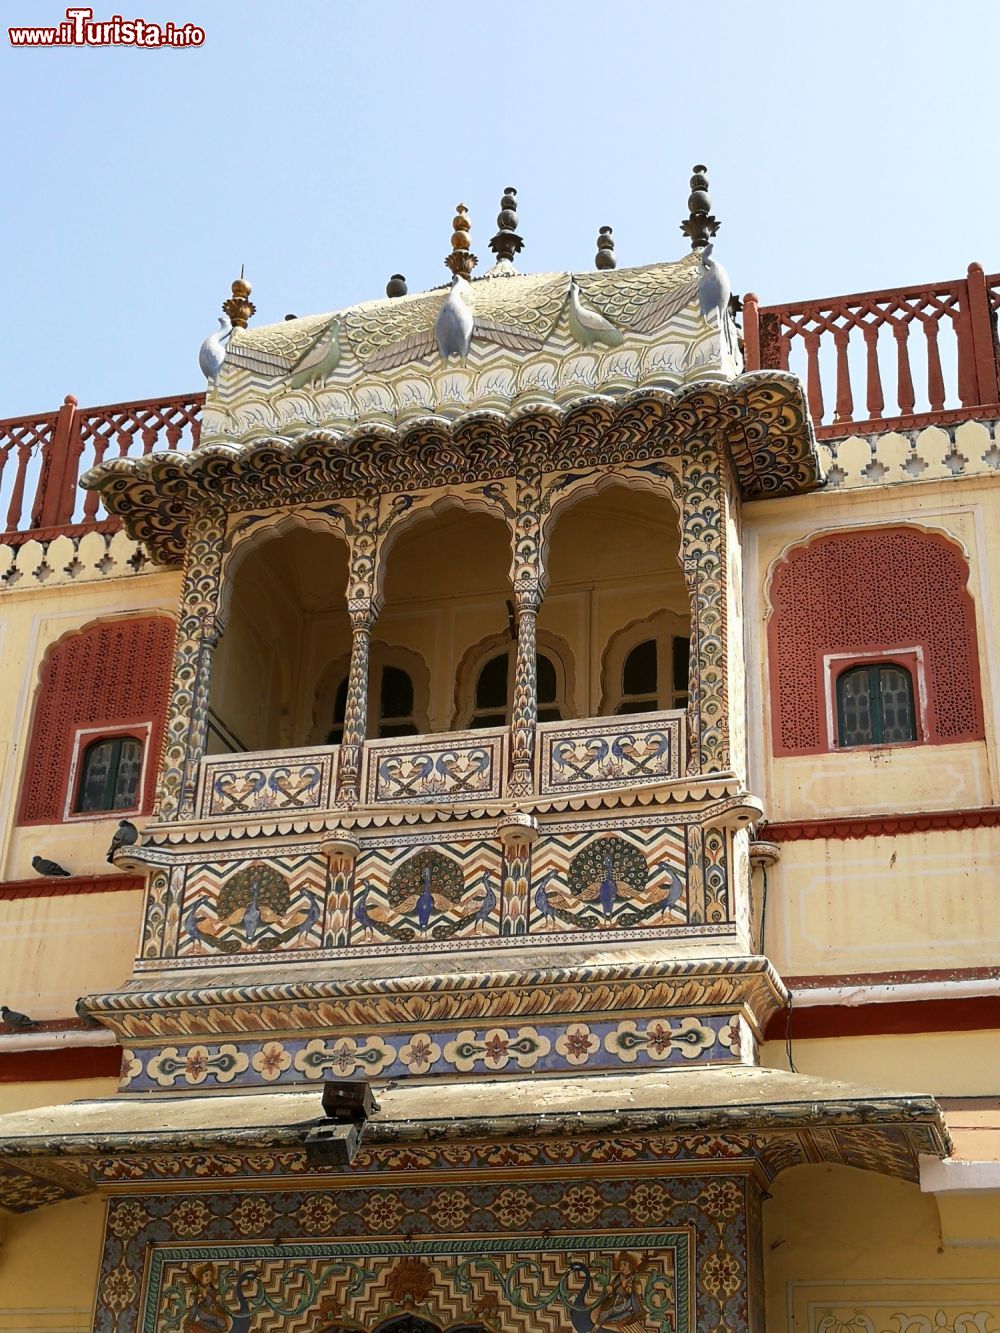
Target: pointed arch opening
{"points": [[617, 595], [447, 589], [285, 622]]}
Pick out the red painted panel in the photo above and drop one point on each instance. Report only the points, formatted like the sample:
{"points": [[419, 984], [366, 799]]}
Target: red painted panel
{"points": [[55, 1066], [112, 674], [970, 1014], [878, 826], [866, 592]]}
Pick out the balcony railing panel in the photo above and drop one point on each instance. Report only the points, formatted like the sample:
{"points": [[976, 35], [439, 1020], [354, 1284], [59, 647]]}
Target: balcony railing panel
{"points": [[576, 757], [608, 753], [267, 783], [462, 766]]}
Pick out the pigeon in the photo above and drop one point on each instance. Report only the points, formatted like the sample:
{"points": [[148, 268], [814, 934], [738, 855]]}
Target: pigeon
{"points": [[15, 1020], [84, 1014], [50, 869], [125, 835], [454, 323], [211, 354], [588, 326]]}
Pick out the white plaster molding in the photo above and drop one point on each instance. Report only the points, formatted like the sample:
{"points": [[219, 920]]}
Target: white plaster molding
{"points": [[950, 1176], [911, 992], [58, 1039]]}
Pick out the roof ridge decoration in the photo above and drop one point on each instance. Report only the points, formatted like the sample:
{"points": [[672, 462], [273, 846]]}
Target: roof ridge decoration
{"points": [[384, 363]]}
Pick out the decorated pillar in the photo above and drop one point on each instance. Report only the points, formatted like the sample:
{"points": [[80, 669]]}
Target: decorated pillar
{"points": [[703, 555], [198, 631], [363, 606], [341, 853], [528, 578], [363, 617], [517, 833]]}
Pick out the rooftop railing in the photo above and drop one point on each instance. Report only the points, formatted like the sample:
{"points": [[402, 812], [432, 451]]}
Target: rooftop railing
{"points": [[43, 457], [902, 358]]}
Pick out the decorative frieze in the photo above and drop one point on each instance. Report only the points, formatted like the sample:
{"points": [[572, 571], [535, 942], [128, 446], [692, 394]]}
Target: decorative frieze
{"points": [[678, 1040]]}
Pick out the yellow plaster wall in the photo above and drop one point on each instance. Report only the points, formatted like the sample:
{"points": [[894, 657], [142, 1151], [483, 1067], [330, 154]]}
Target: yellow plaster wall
{"points": [[857, 1246], [943, 1064], [49, 1264], [27, 1096], [55, 949], [49, 1259], [909, 901]]}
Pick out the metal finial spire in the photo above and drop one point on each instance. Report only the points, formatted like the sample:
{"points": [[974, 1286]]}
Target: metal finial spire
{"points": [[396, 286], [605, 257], [506, 243], [461, 261], [239, 307], [701, 226]]}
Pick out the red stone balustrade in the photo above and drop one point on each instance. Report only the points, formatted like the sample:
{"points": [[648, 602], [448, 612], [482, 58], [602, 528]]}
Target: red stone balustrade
{"points": [[42, 458], [936, 342]]}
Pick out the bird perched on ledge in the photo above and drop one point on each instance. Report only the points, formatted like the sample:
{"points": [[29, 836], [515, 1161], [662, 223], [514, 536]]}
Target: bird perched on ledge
{"points": [[49, 869], [125, 836], [13, 1019]]}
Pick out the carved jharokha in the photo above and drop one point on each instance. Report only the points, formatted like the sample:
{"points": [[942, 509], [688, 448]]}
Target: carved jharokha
{"points": [[695, 483]]}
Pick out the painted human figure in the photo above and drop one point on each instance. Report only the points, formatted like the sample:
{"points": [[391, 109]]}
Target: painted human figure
{"points": [[621, 1304], [620, 1307], [206, 1313]]}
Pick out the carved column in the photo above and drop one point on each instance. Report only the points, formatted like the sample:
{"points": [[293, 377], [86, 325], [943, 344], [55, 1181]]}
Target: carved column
{"points": [[524, 710], [198, 632], [342, 853], [517, 833], [528, 578], [703, 550], [363, 606], [363, 616]]}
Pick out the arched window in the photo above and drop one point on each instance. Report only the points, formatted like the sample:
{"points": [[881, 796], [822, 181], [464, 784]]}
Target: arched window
{"points": [[109, 777], [491, 706], [395, 703], [646, 667], [393, 688], [875, 705], [643, 687]]}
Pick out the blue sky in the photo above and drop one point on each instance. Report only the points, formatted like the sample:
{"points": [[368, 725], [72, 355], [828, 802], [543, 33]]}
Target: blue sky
{"points": [[325, 145]]}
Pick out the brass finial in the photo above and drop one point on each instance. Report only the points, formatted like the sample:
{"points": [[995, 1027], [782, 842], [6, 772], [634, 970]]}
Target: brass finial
{"points": [[701, 226], [605, 257], [461, 261], [396, 286], [506, 243], [239, 307]]}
